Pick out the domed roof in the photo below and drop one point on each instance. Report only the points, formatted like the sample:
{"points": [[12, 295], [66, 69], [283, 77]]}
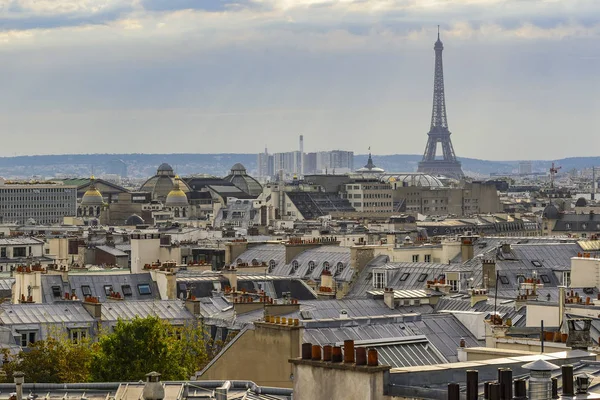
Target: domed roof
{"points": [[165, 169], [176, 197], [238, 167], [412, 179], [240, 178], [550, 212], [162, 183], [92, 197], [134, 220], [581, 202]]}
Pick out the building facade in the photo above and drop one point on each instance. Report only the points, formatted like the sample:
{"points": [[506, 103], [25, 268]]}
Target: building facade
{"points": [[370, 196], [41, 203]]}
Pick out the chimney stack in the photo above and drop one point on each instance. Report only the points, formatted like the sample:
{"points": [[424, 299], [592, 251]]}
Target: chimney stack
{"points": [[453, 391], [489, 273], [466, 248], [579, 339], [567, 380], [349, 351], [388, 298], [472, 384], [19, 378]]}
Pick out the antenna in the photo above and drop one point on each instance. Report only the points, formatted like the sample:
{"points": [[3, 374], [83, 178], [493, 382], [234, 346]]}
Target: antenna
{"points": [[438, 32]]}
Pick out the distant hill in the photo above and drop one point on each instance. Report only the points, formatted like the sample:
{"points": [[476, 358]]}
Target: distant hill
{"points": [[144, 165]]}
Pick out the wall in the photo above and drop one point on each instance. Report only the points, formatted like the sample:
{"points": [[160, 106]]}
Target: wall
{"points": [[144, 251], [260, 355], [22, 281], [584, 272], [536, 313], [326, 381]]}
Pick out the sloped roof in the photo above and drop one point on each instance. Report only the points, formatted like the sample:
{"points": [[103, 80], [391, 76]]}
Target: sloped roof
{"points": [[172, 310]]}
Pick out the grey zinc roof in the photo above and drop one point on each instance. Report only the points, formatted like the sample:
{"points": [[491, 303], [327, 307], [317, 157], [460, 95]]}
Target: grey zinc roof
{"points": [[396, 277], [112, 251], [97, 283], [442, 331], [334, 255], [264, 253], [58, 313], [464, 304], [173, 311]]}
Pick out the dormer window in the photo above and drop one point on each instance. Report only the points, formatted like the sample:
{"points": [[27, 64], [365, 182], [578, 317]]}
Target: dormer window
{"points": [[272, 265], [311, 266], [404, 276], [326, 266], [339, 268], [295, 267]]}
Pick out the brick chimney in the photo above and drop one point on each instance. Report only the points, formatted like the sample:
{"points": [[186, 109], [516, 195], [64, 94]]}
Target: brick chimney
{"points": [[93, 307]]}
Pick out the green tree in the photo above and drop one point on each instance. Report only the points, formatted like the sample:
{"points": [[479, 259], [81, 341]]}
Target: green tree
{"points": [[55, 360], [142, 345]]}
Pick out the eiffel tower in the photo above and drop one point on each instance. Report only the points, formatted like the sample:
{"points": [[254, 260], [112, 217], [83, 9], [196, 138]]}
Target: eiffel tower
{"points": [[448, 165]]}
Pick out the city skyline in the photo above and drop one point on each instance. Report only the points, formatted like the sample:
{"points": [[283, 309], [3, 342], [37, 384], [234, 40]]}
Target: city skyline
{"points": [[232, 76]]}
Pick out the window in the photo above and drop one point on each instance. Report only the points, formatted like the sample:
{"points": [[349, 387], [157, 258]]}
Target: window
{"points": [[454, 285], [27, 338], [521, 278], [56, 291], [566, 278], [504, 279], [272, 265], [404, 276], [311, 266], [127, 290], [295, 266], [536, 263], [144, 289], [3, 252], [422, 278], [108, 289], [77, 335], [19, 252], [427, 257], [379, 280], [87, 292], [545, 278], [415, 258], [417, 302], [339, 268], [326, 266]]}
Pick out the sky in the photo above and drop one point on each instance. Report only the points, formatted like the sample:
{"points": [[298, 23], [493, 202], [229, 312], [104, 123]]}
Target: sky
{"points": [[214, 76]]}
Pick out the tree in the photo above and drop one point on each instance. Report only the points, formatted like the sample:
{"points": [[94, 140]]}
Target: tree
{"points": [[142, 345], [55, 360]]}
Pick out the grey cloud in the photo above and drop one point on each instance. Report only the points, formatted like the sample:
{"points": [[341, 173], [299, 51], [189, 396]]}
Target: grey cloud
{"points": [[204, 5]]}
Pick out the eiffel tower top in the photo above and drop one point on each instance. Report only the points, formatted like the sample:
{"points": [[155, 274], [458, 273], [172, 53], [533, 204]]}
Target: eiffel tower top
{"points": [[438, 114], [438, 45]]}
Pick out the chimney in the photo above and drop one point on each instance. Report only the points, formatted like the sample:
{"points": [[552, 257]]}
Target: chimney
{"points": [[153, 389], [505, 381], [93, 307], [506, 247], [19, 378], [472, 384], [540, 379], [579, 339], [453, 391], [521, 389], [231, 275], [489, 273], [388, 298], [466, 248], [567, 381]]}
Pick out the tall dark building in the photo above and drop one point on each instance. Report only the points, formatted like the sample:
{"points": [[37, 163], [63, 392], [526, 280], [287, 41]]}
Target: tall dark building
{"points": [[446, 165]]}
